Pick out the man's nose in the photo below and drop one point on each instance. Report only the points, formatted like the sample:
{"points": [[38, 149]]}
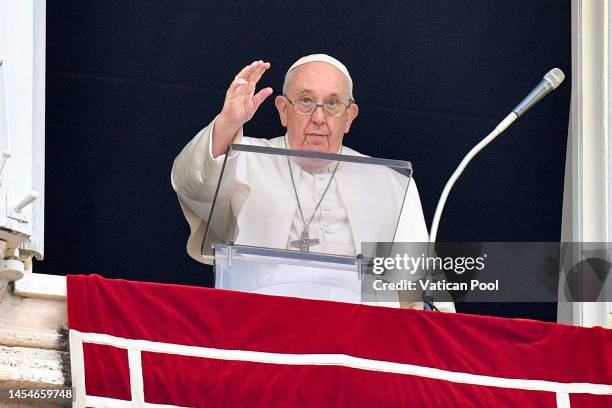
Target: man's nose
{"points": [[318, 116]]}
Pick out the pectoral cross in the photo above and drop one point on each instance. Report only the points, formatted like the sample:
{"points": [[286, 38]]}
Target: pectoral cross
{"points": [[304, 242]]}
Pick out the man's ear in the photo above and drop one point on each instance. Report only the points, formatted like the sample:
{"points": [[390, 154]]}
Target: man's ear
{"points": [[351, 114], [281, 105]]}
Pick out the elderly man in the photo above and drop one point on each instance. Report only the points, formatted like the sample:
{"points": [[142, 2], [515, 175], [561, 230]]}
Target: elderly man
{"points": [[317, 108]]}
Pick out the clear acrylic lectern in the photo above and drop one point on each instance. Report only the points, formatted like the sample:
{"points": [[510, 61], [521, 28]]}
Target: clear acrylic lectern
{"points": [[260, 243]]}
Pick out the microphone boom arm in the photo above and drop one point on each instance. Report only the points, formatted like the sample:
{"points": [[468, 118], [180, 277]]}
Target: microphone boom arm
{"points": [[503, 125]]}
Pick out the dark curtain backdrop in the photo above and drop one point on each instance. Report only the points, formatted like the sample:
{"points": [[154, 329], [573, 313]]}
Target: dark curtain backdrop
{"points": [[129, 83]]}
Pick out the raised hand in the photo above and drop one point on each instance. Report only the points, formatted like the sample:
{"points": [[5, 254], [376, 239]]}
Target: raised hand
{"points": [[241, 103]]}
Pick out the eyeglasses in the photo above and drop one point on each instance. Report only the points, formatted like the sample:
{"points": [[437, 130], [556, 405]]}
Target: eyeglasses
{"points": [[305, 106]]}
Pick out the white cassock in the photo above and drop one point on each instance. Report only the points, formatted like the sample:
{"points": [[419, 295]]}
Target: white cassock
{"points": [[262, 207]]}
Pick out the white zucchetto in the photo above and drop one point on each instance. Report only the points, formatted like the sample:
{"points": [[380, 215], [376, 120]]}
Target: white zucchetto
{"points": [[323, 58]]}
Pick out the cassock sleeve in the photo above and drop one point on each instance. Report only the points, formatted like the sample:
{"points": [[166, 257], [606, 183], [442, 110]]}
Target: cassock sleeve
{"points": [[194, 177]]}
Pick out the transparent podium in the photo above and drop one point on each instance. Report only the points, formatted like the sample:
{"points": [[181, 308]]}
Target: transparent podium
{"points": [[292, 223]]}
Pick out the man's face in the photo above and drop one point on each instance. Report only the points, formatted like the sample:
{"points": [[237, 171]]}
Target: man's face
{"points": [[317, 132]]}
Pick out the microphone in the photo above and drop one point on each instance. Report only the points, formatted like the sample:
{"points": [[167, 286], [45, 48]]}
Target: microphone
{"points": [[550, 82]]}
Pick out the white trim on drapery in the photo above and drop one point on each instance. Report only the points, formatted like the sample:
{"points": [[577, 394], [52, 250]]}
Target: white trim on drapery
{"points": [[135, 347]]}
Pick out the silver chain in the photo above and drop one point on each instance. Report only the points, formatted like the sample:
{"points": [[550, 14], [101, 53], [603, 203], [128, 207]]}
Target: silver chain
{"points": [[307, 224]]}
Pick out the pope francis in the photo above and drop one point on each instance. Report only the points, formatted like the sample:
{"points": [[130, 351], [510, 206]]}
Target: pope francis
{"points": [[310, 208]]}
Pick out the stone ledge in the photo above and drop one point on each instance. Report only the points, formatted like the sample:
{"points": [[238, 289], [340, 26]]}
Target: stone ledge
{"points": [[28, 367], [31, 338]]}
